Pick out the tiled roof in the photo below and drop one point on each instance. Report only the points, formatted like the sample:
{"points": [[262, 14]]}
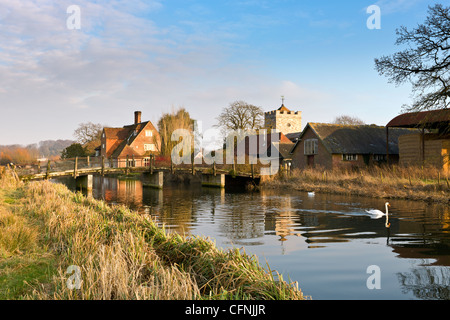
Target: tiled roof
{"points": [[360, 139]]}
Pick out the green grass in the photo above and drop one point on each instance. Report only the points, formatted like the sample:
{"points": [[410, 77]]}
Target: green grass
{"points": [[19, 274]]}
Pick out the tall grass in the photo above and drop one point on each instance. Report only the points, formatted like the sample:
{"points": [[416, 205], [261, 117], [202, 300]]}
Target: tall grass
{"points": [[125, 255], [414, 183]]}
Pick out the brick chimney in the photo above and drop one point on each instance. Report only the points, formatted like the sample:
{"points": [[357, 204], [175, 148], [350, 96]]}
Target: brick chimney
{"points": [[137, 117]]}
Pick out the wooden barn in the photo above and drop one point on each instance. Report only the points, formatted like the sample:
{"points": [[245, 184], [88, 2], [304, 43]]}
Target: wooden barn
{"points": [[333, 146], [430, 145]]}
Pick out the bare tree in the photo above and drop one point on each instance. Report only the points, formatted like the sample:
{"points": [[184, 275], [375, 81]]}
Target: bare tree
{"points": [[348, 120], [87, 132], [240, 115], [425, 63], [89, 135]]}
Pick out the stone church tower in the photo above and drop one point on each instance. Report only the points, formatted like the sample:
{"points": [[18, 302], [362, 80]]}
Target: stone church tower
{"points": [[284, 120]]}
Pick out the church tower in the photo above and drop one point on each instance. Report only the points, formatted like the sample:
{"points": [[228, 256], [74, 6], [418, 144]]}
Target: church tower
{"points": [[284, 120]]}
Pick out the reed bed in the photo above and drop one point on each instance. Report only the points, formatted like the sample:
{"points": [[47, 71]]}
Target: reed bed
{"points": [[121, 254], [411, 183]]}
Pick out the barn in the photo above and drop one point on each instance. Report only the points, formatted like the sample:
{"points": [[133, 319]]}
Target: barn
{"points": [[430, 144], [333, 146]]}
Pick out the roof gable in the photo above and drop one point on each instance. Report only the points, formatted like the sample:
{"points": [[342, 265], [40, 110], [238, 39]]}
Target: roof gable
{"points": [[124, 137]]}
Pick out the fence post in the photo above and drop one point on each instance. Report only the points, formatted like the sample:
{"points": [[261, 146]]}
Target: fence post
{"points": [[127, 170], [193, 165], [75, 174], [253, 170], [171, 166], [88, 162], [39, 167], [47, 174], [151, 163], [214, 168], [103, 165]]}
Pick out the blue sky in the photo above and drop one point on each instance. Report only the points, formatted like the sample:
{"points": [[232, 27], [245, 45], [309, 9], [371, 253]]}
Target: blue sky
{"points": [[158, 55]]}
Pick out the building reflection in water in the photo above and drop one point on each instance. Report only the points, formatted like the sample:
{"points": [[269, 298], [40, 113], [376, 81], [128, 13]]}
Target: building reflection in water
{"points": [[427, 282]]}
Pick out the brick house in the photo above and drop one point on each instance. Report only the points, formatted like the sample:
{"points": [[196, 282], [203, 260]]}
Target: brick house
{"points": [[139, 140], [333, 146]]}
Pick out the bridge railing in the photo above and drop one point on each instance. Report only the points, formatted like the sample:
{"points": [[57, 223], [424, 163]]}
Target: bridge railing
{"points": [[152, 162]]}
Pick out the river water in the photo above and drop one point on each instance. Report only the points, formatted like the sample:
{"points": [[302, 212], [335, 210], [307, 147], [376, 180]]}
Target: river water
{"points": [[327, 243]]}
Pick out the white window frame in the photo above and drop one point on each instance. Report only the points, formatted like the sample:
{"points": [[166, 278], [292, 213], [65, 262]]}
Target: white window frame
{"points": [[148, 133], [379, 157], [349, 157], [149, 147], [311, 147]]}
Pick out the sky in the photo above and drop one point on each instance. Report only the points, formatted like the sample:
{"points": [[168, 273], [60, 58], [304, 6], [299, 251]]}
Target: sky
{"points": [[158, 55]]}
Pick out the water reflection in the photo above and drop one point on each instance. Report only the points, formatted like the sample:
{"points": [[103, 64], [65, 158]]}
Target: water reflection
{"points": [[325, 242], [427, 283]]}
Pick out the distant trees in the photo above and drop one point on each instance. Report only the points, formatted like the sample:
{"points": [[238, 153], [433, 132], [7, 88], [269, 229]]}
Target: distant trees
{"points": [[169, 122], [89, 135], [240, 115], [348, 120], [17, 155], [52, 148], [74, 150], [425, 62]]}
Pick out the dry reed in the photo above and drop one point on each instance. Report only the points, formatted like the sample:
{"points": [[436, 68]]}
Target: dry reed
{"points": [[412, 183]]}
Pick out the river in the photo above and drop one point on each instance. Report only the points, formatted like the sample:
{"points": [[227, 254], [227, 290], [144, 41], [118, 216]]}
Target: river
{"points": [[327, 243]]}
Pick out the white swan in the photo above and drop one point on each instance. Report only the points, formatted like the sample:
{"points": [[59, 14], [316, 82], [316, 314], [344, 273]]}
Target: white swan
{"points": [[377, 214], [311, 194]]}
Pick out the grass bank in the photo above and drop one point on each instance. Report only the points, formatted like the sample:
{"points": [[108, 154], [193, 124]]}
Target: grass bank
{"points": [[117, 253], [422, 184]]}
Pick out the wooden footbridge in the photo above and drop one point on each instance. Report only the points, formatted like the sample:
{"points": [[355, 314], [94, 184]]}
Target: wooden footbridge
{"points": [[151, 170]]}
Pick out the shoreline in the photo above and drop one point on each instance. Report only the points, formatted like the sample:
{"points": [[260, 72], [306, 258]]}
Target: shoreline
{"points": [[381, 184], [50, 236]]}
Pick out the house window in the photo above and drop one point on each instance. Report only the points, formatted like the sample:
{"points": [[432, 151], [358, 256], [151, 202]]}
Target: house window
{"points": [[349, 157], [311, 146], [149, 147], [379, 157], [146, 162], [131, 163], [148, 133], [103, 146]]}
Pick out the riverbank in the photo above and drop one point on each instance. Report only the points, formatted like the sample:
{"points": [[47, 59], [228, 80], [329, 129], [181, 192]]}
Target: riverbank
{"points": [[417, 184], [55, 244]]}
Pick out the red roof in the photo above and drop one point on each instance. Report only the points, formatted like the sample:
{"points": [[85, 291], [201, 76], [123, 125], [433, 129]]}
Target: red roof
{"points": [[428, 119]]}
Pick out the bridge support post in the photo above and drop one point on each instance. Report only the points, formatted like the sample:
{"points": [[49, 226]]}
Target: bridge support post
{"points": [[215, 181], [153, 180], [85, 182]]}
